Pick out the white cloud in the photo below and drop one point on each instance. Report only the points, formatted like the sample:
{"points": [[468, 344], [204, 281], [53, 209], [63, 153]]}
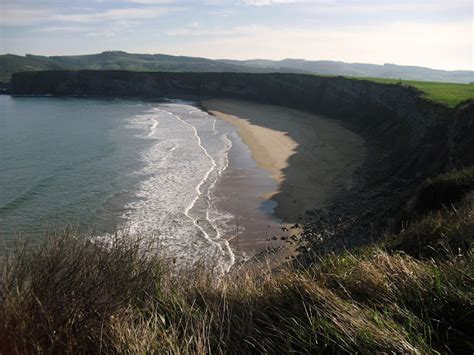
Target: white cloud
{"points": [[152, 2], [342, 5], [113, 15], [196, 31], [143, 2], [62, 29], [274, 2], [87, 21], [14, 15], [382, 8]]}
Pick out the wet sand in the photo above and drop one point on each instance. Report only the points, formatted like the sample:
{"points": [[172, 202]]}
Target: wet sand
{"points": [[240, 193], [311, 158]]}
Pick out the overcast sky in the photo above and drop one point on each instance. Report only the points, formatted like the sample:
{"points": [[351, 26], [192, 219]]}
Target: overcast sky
{"points": [[431, 33]]}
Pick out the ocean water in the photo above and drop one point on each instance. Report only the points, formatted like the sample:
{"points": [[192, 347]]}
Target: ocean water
{"points": [[102, 166]]}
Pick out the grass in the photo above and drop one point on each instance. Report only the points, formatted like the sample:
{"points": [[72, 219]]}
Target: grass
{"points": [[440, 235], [443, 191], [449, 94], [72, 295]]}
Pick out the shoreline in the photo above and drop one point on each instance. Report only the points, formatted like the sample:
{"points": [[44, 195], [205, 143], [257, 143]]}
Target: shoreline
{"points": [[311, 158], [238, 193]]}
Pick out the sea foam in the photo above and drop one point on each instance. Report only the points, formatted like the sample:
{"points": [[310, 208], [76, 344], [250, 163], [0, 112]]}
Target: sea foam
{"points": [[175, 203]]}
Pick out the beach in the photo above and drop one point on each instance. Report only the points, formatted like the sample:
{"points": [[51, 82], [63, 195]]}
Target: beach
{"points": [[312, 159]]}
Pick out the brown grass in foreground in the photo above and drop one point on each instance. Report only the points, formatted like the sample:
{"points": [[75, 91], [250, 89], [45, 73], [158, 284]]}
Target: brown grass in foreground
{"points": [[71, 295]]}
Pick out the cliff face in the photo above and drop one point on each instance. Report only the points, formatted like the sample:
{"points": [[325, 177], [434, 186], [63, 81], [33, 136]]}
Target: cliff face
{"points": [[408, 135], [461, 136]]}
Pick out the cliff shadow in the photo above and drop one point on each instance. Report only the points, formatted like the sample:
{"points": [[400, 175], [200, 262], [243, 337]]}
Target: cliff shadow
{"points": [[313, 158]]}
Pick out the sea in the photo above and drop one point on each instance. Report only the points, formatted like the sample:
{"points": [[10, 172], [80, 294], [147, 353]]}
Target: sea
{"points": [[149, 169]]}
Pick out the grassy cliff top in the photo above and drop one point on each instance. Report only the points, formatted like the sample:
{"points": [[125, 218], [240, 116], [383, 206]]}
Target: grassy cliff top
{"points": [[449, 94]]}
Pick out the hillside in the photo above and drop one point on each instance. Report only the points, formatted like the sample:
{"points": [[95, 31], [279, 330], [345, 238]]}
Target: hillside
{"points": [[10, 64], [388, 71], [117, 60]]}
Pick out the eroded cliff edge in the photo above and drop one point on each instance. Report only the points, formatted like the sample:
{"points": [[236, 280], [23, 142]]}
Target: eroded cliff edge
{"points": [[408, 137]]}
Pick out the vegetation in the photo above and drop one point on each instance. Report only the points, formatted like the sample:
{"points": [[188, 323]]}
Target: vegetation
{"points": [[445, 190], [393, 71], [114, 60], [449, 94], [441, 235], [72, 295]]}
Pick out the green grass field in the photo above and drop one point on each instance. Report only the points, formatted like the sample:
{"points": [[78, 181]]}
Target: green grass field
{"points": [[449, 94]]}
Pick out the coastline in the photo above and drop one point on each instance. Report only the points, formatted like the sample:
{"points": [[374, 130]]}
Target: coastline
{"points": [[311, 158]]}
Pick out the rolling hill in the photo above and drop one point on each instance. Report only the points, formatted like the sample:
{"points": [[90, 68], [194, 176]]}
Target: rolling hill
{"points": [[114, 60], [117, 60], [388, 71]]}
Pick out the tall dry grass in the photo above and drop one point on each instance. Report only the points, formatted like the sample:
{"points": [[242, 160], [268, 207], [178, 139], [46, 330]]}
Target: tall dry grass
{"points": [[71, 295]]}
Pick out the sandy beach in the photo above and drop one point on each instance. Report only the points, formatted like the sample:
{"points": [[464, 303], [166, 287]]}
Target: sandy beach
{"points": [[311, 158]]}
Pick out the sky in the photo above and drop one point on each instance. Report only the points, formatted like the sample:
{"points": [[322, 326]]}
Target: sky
{"points": [[430, 33]]}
